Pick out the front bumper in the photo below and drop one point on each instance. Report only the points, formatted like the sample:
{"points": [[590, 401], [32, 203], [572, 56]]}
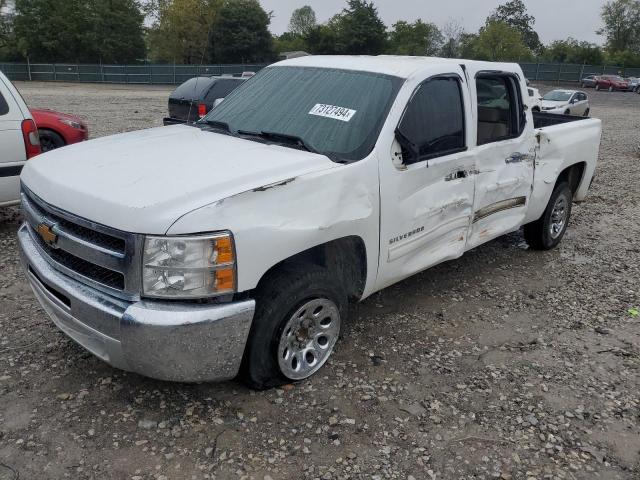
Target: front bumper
{"points": [[173, 341]]}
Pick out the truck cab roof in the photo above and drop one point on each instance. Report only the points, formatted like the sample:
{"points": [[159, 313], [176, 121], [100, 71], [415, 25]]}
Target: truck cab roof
{"points": [[398, 66]]}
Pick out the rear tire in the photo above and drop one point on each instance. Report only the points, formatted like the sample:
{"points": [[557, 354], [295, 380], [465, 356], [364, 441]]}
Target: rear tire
{"points": [[547, 232], [611, 89], [597, 87], [299, 309], [50, 140], [567, 112]]}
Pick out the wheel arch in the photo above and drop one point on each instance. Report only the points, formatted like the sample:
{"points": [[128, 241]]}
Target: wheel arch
{"points": [[573, 175], [345, 257]]}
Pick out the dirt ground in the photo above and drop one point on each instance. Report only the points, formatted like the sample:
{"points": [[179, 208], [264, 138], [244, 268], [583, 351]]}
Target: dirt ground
{"points": [[506, 363]]}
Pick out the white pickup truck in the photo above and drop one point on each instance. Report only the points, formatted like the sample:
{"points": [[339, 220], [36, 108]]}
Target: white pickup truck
{"points": [[194, 253], [19, 141]]}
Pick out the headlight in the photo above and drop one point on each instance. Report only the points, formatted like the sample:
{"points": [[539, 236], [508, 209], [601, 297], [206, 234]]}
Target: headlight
{"points": [[71, 123], [189, 267]]}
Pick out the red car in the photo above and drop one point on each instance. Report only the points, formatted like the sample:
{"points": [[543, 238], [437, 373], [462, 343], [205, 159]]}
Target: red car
{"points": [[58, 129], [611, 83]]}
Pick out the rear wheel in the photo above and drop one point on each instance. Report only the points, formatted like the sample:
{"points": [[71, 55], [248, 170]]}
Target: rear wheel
{"points": [[299, 310], [598, 87], [50, 140], [567, 112], [547, 232], [611, 88]]}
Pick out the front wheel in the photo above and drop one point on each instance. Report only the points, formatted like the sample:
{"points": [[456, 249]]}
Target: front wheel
{"points": [[597, 87], [299, 311], [50, 140], [587, 112], [611, 89], [546, 233]]}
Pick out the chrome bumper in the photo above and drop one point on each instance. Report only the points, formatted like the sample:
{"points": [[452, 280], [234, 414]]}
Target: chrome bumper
{"points": [[173, 341]]}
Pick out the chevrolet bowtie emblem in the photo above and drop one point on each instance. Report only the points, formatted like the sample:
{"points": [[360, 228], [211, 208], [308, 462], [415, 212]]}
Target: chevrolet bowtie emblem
{"points": [[46, 233]]}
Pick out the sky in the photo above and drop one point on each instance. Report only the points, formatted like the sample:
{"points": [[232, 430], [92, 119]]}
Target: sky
{"points": [[555, 19]]}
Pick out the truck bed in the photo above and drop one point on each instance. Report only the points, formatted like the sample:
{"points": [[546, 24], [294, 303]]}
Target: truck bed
{"points": [[541, 119]]}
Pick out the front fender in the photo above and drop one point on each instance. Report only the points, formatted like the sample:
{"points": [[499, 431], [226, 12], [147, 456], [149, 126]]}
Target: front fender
{"points": [[276, 221]]}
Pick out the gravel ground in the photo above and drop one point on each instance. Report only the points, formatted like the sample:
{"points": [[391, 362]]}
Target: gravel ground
{"points": [[506, 363]]}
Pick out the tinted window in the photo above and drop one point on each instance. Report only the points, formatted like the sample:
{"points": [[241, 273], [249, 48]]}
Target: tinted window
{"points": [[338, 113], [222, 88], [4, 108], [500, 113], [434, 119], [194, 88]]}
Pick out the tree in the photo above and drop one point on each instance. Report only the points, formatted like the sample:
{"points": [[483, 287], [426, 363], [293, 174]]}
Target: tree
{"points": [[241, 34], [79, 30], [621, 19], [289, 42], [180, 32], [5, 27], [453, 34], [360, 30], [416, 38], [514, 13], [302, 21], [574, 51], [498, 41], [323, 40]]}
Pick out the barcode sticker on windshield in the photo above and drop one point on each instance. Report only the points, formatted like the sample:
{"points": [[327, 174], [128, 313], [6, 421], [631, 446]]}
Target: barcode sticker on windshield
{"points": [[331, 111]]}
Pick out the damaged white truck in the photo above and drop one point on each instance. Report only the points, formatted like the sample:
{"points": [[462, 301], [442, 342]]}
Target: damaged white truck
{"points": [[197, 253]]}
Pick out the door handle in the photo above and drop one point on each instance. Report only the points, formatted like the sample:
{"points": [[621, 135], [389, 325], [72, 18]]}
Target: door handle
{"points": [[457, 175], [518, 157]]}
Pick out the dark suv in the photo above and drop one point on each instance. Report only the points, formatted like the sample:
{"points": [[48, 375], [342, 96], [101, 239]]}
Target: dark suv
{"points": [[194, 98]]}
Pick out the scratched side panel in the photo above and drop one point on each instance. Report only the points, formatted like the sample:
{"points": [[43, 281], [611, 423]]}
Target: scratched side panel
{"points": [[275, 222], [560, 147]]}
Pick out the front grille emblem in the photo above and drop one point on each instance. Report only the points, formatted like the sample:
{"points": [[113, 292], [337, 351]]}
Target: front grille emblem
{"points": [[47, 235]]}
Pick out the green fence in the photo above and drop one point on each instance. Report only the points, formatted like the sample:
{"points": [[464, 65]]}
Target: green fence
{"points": [[143, 74], [565, 72], [176, 74]]}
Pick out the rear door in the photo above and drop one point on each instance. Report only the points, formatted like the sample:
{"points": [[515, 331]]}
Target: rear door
{"points": [[505, 154], [183, 102], [12, 150]]}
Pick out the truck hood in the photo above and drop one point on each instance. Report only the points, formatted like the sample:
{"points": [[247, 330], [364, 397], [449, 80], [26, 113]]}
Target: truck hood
{"points": [[144, 181]]}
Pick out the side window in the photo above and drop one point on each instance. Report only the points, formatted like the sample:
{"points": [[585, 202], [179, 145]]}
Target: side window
{"points": [[4, 107], [221, 89], [433, 122], [500, 112]]}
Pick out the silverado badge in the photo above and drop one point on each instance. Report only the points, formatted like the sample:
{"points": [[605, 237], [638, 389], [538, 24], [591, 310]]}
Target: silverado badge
{"points": [[47, 235]]}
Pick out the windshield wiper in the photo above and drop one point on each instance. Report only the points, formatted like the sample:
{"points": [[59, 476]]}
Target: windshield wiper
{"points": [[215, 124], [280, 138]]}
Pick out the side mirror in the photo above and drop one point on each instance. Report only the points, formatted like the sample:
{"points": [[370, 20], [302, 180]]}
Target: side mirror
{"points": [[217, 102], [410, 150]]}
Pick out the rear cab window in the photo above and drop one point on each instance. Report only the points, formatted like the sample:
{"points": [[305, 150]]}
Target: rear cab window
{"points": [[500, 108], [222, 88]]}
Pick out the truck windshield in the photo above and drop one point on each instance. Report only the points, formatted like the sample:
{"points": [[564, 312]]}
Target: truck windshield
{"points": [[338, 113]]}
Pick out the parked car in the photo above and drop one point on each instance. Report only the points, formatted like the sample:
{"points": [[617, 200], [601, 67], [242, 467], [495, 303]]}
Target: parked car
{"points": [[589, 81], [192, 253], [566, 102], [18, 141], [194, 98], [612, 83], [634, 84], [58, 129], [535, 99]]}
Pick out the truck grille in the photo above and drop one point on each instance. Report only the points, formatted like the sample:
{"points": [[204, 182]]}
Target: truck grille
{"points": [[100, 256]]}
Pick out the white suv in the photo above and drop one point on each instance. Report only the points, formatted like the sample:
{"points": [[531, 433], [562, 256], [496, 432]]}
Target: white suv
{"points": [[18, 141]]}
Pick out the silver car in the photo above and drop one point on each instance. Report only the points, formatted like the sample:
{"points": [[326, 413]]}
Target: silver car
{"points": [[634, 84]]}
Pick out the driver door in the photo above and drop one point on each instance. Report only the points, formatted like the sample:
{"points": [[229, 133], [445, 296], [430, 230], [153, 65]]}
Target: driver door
{"points": [[427, 182]]}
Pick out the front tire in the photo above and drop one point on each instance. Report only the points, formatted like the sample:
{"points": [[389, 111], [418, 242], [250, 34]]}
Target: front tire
{"points": [[547, 232], [611, 89], [299, 310], [587, 112], [597, 87], [50, 140]]}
